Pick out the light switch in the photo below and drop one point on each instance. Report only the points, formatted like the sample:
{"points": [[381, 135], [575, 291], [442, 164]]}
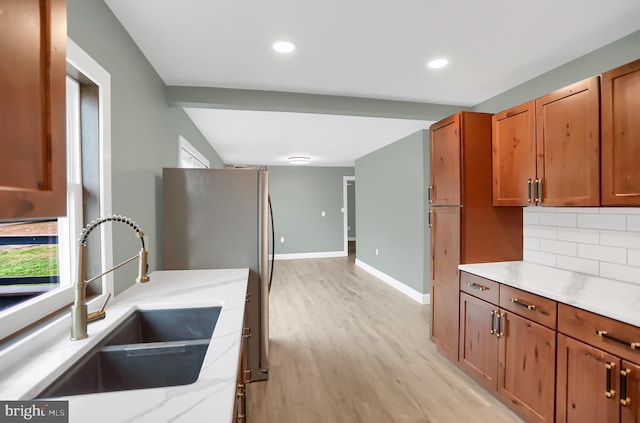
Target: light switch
{"points": [[323, 214], [282, 240]]}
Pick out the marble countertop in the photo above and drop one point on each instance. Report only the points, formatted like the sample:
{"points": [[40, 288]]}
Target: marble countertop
{"points": [[210, 398], [611, 298]]}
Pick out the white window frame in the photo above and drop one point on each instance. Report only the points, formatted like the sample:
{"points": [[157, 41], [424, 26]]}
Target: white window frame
{"points": [[24, 314], [185, 149]]}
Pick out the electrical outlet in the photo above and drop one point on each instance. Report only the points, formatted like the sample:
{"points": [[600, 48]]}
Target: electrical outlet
{"points": [[376, 251], [323, 214], [282, 240]]}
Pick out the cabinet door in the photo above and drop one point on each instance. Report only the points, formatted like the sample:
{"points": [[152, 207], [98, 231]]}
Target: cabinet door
{"points": [[445, 254], [582, 383], [620, 134], [514, 155], [526, 368], [445, 162], [629, 392], [568, 145], [33, 36], [478, 342]]}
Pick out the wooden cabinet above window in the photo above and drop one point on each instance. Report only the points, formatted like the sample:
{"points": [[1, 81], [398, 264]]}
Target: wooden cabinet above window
{"points": [[33, 36]]}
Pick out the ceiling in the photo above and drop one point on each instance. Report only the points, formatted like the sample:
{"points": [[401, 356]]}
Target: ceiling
{"points": [[360, 48]]}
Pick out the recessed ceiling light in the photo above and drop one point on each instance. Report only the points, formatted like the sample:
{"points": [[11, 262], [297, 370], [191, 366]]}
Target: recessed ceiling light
{"points": [[284, 46], [438, 63], [299, 160]]}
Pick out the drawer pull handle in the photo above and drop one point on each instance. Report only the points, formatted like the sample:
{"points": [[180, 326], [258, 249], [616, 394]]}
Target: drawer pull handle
{"points": [[478, 287], [624, 399], [523, 305], [430, 194], [633, 345], [430, 219], [609, 393], [493, 322]]}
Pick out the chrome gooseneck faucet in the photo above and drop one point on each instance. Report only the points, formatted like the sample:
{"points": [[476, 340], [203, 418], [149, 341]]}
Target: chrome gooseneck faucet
{"points": [[79, 315]]}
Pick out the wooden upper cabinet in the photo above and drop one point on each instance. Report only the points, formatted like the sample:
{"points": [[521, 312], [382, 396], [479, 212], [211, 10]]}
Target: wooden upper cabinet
{"points": [[621, 136], [568, 145], [547, 151], [33, 36], [514, 155], [445, 162]]}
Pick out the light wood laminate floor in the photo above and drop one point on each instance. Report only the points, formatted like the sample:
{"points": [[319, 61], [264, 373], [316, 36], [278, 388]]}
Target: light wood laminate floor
{"points": [[346, 347]]}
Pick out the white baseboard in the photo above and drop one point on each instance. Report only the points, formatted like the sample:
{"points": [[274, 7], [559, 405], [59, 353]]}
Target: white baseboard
{"points": [[325, 254], [410, 292]]}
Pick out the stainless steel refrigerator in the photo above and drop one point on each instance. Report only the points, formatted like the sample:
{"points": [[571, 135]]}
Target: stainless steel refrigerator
{"points": [[218, 219]]}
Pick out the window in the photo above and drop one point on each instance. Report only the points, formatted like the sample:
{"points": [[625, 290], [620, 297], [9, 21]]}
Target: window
{"points": [[189, 156], [88, 196]]}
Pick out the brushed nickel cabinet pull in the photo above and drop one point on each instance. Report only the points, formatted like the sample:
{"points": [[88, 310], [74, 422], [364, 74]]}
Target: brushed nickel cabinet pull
{"points": [[624, 399], [493, 322], [522, 304], [609, 393], [604, 334], [430, 194], [529, 194], [477, 286], [430, 221]]}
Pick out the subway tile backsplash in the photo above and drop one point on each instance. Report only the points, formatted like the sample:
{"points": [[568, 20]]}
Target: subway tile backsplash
{"points": [[597, 241]]}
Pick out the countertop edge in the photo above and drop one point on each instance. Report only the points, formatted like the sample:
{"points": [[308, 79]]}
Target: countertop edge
{"points": [[611, 298]]}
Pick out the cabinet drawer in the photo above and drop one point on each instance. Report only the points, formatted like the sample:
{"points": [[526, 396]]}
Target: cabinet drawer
{"points": [[531, 306], [620, 338], [482, 288]]}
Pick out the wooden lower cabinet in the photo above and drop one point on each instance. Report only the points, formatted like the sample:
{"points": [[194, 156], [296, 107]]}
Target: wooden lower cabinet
{"points": [[478, 342], [526, 367], [243, 377], [510, 355], [444, 318], [597, 376], [582, 383], [445, 257]]}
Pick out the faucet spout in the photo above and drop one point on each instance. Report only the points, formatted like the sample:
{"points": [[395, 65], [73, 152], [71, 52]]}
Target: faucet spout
{"points": [[79, 312]]}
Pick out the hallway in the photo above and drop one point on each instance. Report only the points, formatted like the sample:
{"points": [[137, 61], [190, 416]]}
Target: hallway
{"points": [[346, 347]]}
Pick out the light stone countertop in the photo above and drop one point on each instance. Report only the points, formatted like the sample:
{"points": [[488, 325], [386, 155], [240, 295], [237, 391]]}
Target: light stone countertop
{"points": [[611, 298], [210, 398]]}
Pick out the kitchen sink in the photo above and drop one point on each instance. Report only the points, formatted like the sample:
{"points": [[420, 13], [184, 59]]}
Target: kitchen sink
{"points": [[151, 348], [178, 324]]}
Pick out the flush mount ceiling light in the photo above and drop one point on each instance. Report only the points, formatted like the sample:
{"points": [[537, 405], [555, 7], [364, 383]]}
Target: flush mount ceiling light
{"points": [[438, 63], [284, 46], [299, 160]]}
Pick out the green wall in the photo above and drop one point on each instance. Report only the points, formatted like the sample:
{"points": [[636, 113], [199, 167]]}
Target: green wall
{"points": [[144, 129], [299, 194], [391, 209], [351, 209], [612, 55]]}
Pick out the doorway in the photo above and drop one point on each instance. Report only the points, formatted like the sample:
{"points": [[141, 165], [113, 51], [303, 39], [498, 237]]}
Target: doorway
{"points": [[349, 202]]}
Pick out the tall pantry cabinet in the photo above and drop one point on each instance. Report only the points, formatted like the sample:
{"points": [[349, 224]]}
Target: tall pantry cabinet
{"points": [[465, 227]]}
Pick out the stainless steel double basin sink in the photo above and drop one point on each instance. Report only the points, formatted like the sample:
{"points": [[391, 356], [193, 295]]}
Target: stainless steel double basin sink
{"points": [[151, 348]]}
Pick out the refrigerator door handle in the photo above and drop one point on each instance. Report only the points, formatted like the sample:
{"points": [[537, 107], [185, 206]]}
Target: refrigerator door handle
{"points": [[264, 270]]}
